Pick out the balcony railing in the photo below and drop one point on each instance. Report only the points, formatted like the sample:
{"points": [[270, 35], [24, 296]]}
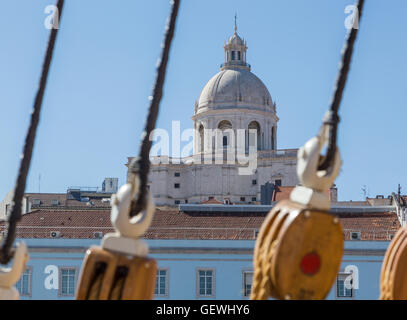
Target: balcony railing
{"points": [[235, 63], [181, 233]]}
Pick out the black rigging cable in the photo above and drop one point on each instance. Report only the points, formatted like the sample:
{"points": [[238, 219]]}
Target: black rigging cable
{"points": [[6, 252], [331, 118], [141, 165]]}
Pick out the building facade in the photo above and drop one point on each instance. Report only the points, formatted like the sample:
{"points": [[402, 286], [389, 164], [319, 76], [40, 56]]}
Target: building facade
{"points": [[202, 251], [235, 141], [75, 197]]}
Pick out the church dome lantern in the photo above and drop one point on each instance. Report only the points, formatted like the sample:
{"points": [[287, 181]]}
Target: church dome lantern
{"points": [[235, 86], [235, 52]]}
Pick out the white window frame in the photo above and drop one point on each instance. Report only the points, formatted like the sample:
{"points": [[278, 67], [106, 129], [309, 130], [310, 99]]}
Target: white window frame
{"points": [[343, 275], [166, 294], [60, 269], [213, 294], [244, 273], [30, 275]]}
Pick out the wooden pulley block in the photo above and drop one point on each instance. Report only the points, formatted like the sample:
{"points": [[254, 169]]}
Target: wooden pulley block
{"points": [[262, 285], [119, 269], [298, 251], [108, 275], [393, 278]]}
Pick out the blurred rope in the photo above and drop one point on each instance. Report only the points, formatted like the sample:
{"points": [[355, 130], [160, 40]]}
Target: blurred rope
{"points": [[6, 252], [141, 165], [331, 118]]}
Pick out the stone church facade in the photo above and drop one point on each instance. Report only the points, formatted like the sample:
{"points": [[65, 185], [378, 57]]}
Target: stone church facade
{"points": [[235, 141]]}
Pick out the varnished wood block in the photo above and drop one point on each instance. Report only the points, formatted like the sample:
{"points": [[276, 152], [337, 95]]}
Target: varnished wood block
{"points": [[300, 251], [308, 253], [393, 278], [107, 275]]}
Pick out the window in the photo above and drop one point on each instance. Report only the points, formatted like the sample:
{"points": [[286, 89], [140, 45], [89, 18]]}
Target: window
{"points": [[256, 233], [247, 283], [233, 55], [254, 182], [176, 185], [206, 283], [254, 199], [254, 135], [343, 285], [7, 210], [177, 202], [24, 284], [278, 182], [186, 200], [161, 283], [67, 281], [36, 202], [55, 202], [225, 141], [242, 199], [238, 55], [176, 174]]}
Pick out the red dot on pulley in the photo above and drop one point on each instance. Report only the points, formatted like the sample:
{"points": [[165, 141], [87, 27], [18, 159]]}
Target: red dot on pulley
{"points": [[310, 263]]}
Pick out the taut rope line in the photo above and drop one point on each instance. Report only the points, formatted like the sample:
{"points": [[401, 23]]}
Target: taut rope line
{"points": [[142, 166], [6, 252], [331, 118]]}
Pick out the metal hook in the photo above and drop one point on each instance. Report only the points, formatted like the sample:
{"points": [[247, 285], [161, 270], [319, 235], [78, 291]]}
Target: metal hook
{"points": [[129, 229], [314, 181]]}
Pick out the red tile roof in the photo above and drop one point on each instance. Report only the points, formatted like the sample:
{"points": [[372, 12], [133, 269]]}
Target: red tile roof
{"points": [[212, 201], [172, 224], [283, 193], [376, 226], [46, 201]]}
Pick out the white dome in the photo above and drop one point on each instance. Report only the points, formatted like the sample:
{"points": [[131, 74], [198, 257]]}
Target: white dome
{"points": [[235, 88]]}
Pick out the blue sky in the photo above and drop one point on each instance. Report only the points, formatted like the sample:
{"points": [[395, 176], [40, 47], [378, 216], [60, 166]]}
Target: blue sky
{"points": [[104, 65]]}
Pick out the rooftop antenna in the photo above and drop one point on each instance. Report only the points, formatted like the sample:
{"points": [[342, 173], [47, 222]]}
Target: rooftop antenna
{"points": [[235, 22], [365, 191]]}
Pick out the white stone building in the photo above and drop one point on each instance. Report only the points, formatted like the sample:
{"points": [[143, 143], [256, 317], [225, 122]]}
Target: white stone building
{"points": [[236, 102]]}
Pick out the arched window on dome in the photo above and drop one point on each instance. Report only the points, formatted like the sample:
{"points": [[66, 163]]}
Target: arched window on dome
{"points": [[201, 138], [254, 140], [233, 55], [225, 126]]}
